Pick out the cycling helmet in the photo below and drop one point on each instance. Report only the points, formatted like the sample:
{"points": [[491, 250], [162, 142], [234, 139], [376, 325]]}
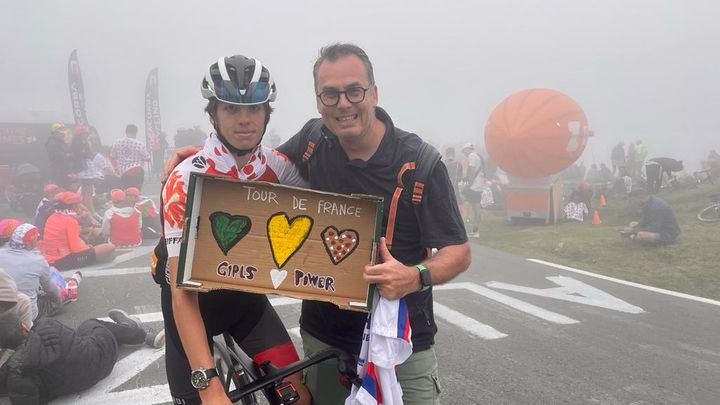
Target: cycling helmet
{"points": [[241, 81], [58, 126]]}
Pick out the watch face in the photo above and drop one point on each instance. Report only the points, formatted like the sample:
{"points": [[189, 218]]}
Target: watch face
{"points": [[198, 379]]}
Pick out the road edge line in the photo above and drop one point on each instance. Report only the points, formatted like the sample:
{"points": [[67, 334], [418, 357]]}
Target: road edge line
{"points": [[628, 283]]}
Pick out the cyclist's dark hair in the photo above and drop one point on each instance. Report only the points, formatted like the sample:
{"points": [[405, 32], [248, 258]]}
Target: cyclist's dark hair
{"points": [[11, 333], [339, 50], [213, 103]]}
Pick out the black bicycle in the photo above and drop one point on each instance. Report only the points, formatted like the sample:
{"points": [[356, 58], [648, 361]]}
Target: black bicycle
{"points": [[242, 379], [711, 213]]}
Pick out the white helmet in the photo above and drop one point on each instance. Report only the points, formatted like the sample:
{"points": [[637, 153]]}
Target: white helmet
{"points": [[238, 80]]}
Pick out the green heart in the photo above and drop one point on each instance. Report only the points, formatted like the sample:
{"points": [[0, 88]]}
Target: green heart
{"points": [[228, 229]]}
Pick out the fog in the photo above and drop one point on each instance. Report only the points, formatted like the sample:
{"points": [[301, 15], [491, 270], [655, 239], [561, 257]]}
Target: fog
{"points": [[640, 69]]}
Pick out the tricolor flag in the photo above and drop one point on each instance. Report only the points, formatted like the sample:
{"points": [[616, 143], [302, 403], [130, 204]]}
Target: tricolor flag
{"points": [[386, 343]]}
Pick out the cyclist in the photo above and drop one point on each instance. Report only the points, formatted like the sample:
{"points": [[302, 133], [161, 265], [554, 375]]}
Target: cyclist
{"points": [[239, 91]]}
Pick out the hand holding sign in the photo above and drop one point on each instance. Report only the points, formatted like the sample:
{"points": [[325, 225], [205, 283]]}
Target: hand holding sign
{"points": [[394, 280]]}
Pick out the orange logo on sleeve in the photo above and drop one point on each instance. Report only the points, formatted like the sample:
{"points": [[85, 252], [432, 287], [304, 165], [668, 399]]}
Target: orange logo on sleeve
{"points": [[175, 198]]}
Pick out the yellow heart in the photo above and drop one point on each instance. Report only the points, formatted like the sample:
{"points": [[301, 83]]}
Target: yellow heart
{"points": [[287, 235]]}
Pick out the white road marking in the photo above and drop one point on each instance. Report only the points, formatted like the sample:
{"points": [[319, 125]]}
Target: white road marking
{"points": [[144, 318], [122, 258], [133, 364], [466, 323], [522, 306], [124, 370], [573, 291], [295, 333], [109, 272], [280, 301], [629, 283], [158, 317], [157, 394]]}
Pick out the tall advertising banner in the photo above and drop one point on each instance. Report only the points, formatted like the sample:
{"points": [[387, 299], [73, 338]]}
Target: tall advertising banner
{"points": [[152, 113], [77, 92]]}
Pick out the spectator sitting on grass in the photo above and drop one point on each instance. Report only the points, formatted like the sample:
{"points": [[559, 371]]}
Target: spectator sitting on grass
{"points": [[658, 223], [579, 203]]}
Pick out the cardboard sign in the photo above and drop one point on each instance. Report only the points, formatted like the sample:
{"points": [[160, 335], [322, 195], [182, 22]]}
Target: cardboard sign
{"points": [[272, 239]]}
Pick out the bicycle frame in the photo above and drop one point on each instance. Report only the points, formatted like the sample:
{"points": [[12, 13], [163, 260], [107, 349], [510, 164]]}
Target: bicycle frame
{"points": [[272, 375]]}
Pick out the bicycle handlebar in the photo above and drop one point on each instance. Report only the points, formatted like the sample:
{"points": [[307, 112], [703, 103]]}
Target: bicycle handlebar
{"points": [[345, 367]]}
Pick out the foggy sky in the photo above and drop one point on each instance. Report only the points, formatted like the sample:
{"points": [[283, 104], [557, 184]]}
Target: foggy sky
{"points": [[645, 69]]}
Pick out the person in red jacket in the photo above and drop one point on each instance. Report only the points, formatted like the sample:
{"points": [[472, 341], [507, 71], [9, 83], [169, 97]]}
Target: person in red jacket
{"points": [[62, 245], [122, 223], [150, 215]]}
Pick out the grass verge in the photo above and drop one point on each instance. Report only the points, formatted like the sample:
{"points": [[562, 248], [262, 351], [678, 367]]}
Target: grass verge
{"points": [[691, 265]]}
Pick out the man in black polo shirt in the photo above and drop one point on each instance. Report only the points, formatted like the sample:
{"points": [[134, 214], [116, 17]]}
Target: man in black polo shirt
{"points": [[361, 152]]}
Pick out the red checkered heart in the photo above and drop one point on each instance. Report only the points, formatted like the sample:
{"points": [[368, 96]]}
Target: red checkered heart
{"points": [[339, 244]]}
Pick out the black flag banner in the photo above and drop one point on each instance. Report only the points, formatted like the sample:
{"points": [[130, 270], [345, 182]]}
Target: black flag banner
{"points": [[152, 113], [77, 93]]}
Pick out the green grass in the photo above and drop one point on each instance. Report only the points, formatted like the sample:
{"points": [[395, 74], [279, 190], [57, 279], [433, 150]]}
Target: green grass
{"points": [[691, 265]]}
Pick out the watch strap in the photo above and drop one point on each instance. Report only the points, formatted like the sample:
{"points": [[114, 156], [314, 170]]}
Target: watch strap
{"points": [[211, 372], [423, 273]]}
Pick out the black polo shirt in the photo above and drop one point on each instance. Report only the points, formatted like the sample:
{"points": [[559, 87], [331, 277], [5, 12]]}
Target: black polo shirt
{"points": [[439, 225]]}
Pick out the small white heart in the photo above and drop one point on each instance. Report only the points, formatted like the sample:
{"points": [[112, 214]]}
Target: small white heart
{"points": [[277, 277]]}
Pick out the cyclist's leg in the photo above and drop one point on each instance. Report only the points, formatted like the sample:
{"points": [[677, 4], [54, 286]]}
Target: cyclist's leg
{"points": [[220, 310], [262, 334], [322, 379], [266, 339], [418, 377]]}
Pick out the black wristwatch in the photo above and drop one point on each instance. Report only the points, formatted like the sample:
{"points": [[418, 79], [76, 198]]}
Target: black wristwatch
{"points": [[425, 278], [200, 378]]}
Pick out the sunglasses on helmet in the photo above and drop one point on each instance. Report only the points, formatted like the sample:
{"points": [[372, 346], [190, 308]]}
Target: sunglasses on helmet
{"points": [[256, 93]]}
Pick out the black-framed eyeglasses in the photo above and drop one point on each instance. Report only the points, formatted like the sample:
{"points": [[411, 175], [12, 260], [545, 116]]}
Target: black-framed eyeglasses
{"points": [[331, 98]]}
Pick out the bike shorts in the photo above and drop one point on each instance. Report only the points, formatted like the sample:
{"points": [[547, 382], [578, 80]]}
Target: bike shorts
{"points": [[249, 318], [76, 260]]}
